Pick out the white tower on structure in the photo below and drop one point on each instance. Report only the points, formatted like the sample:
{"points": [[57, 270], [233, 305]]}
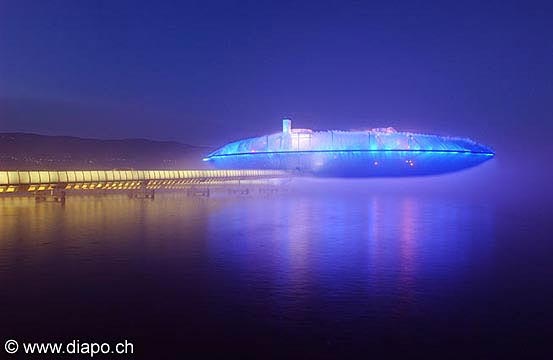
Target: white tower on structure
{"points": [[286, 126]]}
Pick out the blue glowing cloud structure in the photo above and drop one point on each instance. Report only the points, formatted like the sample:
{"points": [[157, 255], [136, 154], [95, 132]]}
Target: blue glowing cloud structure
{"points": [[376, 152]]}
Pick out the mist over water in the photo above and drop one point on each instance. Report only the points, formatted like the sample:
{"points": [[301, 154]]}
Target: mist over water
{"points": [[326, 266]]}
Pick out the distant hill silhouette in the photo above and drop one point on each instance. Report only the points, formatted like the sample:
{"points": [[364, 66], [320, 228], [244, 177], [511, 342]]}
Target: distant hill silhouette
{"points": [[22, 151]]}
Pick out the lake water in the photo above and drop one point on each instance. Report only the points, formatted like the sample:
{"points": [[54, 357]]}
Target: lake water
{"points": [[327, 267]]}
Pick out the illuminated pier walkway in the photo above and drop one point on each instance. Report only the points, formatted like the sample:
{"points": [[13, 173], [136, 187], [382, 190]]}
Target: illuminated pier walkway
{"points": [[55, 183]]}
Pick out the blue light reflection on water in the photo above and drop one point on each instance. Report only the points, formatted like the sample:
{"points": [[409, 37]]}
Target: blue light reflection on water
{"points": [[348, 258], [324, 266]]}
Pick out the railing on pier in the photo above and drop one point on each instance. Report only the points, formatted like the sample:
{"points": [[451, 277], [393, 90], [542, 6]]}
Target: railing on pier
{"points": [[33, 181]]}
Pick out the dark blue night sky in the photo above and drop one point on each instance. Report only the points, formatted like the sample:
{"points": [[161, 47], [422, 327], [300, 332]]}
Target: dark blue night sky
{"points": [[206, 72]]}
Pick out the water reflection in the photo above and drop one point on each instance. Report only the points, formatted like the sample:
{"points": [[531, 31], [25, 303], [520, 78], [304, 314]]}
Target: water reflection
{"points": [[94, 230], [369, 253], [297, 264]]}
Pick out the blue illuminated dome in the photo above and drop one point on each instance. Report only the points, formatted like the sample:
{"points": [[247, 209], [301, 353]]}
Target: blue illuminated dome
{"points": [[376, 152]]}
